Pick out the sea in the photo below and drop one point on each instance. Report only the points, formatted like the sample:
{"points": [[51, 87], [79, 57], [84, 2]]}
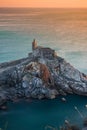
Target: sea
{"points": [[64, 30]]}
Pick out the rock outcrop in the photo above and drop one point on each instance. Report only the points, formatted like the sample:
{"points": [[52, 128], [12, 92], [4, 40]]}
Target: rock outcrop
{"points": [[40, 76]]}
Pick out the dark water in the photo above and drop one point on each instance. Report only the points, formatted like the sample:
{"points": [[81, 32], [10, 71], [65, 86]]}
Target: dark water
{"points": [[64, 30], [37, 114]]}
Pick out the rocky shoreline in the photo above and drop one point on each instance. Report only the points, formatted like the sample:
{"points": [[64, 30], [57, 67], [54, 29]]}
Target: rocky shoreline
{"points": [[42, 74]]}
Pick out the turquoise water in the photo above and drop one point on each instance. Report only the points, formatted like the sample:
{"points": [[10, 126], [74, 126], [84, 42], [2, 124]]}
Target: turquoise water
{"points": [[64, 30], [37, 114]]}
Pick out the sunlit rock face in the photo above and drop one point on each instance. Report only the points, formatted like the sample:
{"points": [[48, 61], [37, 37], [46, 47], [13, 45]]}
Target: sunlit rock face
{"points": [[42, 74]]}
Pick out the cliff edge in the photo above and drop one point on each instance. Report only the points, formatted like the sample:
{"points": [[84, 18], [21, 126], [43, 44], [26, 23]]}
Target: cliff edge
{"points": [[42, 74]]}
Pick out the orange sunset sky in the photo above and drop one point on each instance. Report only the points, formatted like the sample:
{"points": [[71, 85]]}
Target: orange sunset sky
{"points": [[44, 3]]}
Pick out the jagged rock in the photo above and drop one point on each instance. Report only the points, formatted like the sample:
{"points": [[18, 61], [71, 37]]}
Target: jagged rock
{"points": [[3, 100], [52, 94], [40, 76], [63, 99], [44, 73]]}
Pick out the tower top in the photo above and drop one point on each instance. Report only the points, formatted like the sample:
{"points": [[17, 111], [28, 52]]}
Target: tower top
{"points": [[34, 44]]}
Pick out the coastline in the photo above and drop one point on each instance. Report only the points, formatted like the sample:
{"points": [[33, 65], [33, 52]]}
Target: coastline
{"points": [[41, 75]]}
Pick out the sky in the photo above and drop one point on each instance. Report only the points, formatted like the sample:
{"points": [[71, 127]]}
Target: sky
{"points": [[44, 3]]}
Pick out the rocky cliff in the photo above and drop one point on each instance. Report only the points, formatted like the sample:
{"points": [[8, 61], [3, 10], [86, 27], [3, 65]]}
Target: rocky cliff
{"points": [[39, 76]]}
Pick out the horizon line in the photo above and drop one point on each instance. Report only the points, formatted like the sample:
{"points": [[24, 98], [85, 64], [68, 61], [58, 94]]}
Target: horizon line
{"points": [[48, 7]]}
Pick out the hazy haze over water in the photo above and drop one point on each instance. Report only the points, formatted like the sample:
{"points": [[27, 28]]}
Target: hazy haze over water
{"points": [[65, 30]]}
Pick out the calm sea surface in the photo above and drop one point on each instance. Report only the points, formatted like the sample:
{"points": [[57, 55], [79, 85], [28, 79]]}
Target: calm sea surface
{"points": [[64, 30]]}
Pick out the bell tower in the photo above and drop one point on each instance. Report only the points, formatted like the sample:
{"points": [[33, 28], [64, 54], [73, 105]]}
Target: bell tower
{"points": [[34, 44]]}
